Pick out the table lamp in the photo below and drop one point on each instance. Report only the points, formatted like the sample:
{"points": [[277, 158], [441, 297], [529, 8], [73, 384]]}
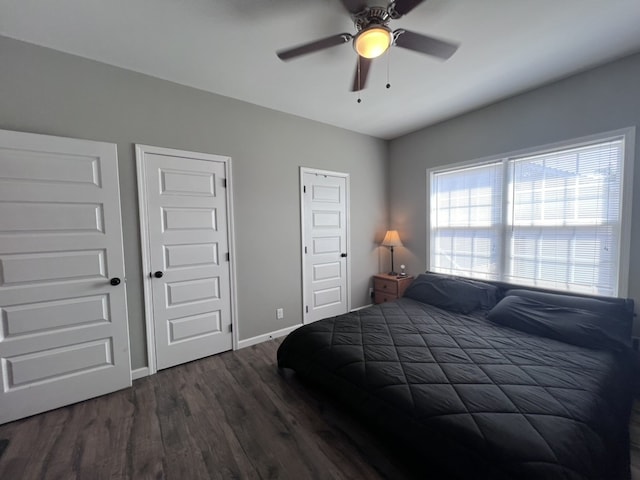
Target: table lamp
{"points": [[391, 239]]}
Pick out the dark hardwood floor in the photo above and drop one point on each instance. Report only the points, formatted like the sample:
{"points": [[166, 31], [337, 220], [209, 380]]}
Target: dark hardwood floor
{"points": [[228, 416]]}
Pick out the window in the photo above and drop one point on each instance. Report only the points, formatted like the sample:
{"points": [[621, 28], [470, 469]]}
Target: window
{"points": [[551, 218]]}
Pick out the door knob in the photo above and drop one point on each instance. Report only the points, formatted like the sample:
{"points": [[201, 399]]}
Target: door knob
{"points": [[158, 274], [343, 255], [114, 281]]}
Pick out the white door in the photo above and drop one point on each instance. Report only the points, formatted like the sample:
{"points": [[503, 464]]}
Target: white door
{"points": [[63, 330], [325, 224], [185, 211]]}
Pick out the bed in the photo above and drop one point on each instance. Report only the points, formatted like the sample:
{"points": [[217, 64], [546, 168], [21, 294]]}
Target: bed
{"points": [[482, 382]]}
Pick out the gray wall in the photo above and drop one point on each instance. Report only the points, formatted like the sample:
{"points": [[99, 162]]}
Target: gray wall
{"points": [[600, 100], [48, 92]]}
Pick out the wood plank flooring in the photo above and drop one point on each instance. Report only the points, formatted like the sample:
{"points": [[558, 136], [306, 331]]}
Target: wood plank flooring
{"points": [[231, 416]]}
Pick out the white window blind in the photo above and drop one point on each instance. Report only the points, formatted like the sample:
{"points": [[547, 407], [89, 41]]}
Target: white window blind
{"points": [[551, 220], [465, 222]]}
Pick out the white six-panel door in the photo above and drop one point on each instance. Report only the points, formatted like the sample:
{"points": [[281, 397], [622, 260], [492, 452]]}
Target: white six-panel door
{"points": [[325, 244], [63, 325], [184, 208]]}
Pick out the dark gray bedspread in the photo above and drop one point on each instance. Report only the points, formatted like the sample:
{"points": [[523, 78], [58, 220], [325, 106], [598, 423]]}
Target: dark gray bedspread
{"points": [[472, 398]]}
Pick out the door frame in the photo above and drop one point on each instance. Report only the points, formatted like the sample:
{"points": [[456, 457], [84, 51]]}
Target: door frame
{"points": [[347, 178], [141, 150]]}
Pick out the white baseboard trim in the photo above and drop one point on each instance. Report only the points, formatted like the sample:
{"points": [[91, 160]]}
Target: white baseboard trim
{"points": [[139, 373], [362, 308], [267, 336]]}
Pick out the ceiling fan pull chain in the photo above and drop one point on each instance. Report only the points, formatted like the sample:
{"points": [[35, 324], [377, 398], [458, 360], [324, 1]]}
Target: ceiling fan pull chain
{"points": [[359, 84], [388, 67]]}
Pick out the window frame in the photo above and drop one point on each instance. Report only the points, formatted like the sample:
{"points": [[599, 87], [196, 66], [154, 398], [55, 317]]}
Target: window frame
{"points": [[627, 135]]}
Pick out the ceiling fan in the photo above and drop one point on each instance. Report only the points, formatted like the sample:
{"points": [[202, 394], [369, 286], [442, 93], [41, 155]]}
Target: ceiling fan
{"points": [[374, 37]]}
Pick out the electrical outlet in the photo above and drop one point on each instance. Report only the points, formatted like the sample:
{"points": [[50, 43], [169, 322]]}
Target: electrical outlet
{"points": [[280, 313]]}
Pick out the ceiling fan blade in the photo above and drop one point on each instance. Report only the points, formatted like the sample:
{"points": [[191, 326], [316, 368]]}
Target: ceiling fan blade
{"points": [[400, 8], [424, 44], [354, 6], [311, 47], [360, 81]]}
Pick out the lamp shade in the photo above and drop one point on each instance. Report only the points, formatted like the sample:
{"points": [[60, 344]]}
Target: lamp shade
{"points": [[373, 41], [391, 239]]}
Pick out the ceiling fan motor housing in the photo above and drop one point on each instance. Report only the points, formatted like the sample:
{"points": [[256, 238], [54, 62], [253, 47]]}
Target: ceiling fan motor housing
{"points": [[371, 16]]}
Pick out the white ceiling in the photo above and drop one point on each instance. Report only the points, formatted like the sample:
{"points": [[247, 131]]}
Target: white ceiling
{"points": [[228, 47]]}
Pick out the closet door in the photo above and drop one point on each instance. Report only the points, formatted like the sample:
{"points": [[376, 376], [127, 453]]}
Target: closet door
{"points": [[63, 329], [185, 215], [325, 230]]}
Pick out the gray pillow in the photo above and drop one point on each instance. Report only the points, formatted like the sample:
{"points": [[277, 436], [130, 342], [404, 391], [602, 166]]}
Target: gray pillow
{"points": [[454, 294], [619, 311], [578, 326]]}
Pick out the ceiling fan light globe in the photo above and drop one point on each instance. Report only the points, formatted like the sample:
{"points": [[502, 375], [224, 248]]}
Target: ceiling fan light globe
{"points": [[372, 42]]}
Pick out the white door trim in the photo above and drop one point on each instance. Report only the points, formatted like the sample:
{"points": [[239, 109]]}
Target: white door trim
{"points": [[141, 150], [303, 171]]}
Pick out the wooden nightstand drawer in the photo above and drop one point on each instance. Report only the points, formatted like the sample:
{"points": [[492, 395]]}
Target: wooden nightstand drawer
{"points": [[389, 286], [381, 297]]}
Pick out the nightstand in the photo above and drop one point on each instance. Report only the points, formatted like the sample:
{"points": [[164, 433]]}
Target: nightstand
{"points": [[387, 288]]}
